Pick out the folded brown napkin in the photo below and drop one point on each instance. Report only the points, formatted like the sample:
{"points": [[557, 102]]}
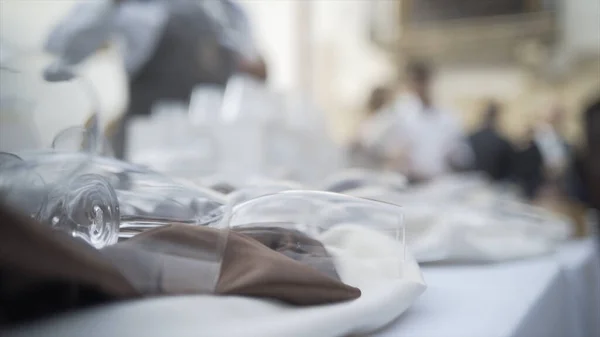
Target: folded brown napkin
{"points": [[172, 259], [293, 244], [248, 267], [43, 272]]}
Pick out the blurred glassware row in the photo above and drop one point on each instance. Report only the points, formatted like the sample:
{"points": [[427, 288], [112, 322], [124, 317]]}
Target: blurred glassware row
{"points": [[239, 133], [463, 217]]}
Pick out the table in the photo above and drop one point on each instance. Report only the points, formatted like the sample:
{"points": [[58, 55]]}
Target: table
{"points": [[581, 269], [550, 296]]}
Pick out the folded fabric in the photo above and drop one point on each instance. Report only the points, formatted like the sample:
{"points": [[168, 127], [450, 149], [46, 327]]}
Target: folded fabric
{"points": [[172, 253], [364, 256], [467, 235], [170, 260], [466, 219], [295, 245], [43, 272], [388, 289]]}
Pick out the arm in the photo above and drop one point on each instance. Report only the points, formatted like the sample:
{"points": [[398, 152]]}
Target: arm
{"points": [[255, 68], [242, 41], [85, 30]]}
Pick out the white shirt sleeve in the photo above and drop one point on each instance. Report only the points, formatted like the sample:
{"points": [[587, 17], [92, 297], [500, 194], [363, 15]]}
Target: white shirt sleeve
{"points": [[551, 146], [85, 29], [382, 133], [90, 24], [140, 25], [459, 150]]}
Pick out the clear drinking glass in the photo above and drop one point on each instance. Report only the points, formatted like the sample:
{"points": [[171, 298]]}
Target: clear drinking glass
{"points": [[295, 222], [110, 194], [84, 205], [169, 142]]}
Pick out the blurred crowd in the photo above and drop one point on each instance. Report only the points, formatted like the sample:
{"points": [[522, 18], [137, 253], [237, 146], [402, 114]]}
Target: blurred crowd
{"points": [[406, 131], [172, 47], [211, 182]]}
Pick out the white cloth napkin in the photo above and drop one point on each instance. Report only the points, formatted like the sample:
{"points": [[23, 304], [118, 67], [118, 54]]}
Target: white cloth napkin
{"points": [[467, 219]]}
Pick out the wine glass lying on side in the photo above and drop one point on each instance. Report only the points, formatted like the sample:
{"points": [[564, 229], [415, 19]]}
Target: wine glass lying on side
{"points": [[100, 199]]}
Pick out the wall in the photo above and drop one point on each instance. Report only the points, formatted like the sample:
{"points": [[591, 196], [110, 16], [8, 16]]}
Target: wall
{"points": [[575, 69], [274, 29], [347, 66], [581, 25], [341, 65]]}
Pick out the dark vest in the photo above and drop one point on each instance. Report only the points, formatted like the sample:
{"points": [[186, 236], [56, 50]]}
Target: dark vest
{"points": [[188, 54]]}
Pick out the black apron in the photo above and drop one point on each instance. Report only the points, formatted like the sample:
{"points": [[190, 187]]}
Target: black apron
{"points": [[188, 54]]}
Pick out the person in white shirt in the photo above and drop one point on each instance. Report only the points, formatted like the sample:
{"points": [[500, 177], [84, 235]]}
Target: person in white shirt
{"points": [[552, 145], [361, 155], [555, 153], [417, 137]]}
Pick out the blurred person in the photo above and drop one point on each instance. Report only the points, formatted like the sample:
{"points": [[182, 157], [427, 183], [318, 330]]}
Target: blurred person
{"points": [[492, 152], [557, 159], [362, 153], [423, 140], [169, 47], [586, 177], [379, 100], [572, 185], [553, 146], [527, 166], [592, 151]]}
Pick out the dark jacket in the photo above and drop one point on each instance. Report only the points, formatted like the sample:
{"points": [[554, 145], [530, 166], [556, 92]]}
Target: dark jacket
{"points": [[527, 169], [188, 54], [493, 153]]}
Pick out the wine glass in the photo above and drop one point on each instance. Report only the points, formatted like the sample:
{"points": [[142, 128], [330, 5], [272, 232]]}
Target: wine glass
{"points": [[110, 194], [150, 206], [303, 225], [85, 207], [82, 205]]}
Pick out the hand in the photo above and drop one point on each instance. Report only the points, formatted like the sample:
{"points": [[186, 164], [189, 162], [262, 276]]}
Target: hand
{"points": [[257, 69]]}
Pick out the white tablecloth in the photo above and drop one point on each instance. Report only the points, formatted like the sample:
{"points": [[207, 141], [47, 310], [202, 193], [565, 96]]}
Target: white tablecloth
{"points": [[550, 296], [581, 268]]}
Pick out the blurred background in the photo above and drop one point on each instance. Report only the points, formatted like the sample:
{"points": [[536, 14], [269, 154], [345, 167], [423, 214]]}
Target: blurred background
{"points": [[480, 118], [525, 54]]}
